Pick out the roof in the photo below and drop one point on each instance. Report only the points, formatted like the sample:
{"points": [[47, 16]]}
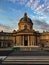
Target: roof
{"points": [[25, 19]]}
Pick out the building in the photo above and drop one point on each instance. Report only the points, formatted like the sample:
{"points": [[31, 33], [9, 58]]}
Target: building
{"points": [[24, 36]]}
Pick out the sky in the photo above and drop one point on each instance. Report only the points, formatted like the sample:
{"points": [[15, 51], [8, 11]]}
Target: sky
{"points": [[12, 10]]}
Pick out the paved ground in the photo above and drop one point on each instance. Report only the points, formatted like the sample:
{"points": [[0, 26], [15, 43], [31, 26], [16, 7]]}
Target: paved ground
{"points": [[26, 60], [24, 57]]}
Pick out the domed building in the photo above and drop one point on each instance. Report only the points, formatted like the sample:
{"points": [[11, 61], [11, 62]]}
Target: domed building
{"points": [[25, 36]]}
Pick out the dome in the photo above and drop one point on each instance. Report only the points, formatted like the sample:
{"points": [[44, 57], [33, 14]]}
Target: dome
{"points": [[25, 23], [25, 19]]}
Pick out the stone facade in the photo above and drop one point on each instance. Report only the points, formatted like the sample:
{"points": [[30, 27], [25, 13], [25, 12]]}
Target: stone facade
{"points": [[24, 36], [44, 39]]}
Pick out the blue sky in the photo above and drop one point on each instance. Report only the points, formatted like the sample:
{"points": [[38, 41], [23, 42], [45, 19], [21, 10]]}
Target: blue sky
{"points": [[12, 10]]}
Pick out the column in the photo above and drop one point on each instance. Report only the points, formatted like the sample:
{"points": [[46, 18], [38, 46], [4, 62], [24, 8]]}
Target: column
{"points": [[1, 44], [31, 40], [28, 40], [15, 41], [6, 44], [23, 40]]}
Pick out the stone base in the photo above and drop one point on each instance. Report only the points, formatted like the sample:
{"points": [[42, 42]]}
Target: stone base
{"points": [[28, 48]]}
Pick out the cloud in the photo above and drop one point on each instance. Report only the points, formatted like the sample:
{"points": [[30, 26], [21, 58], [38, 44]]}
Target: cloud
{"points": [[48, 7], [28, 4], [15, 10], [46, 2], [36, 3], [18, 1], [5, 28], [39, 9], [22, 2], [31, 1], [13, 1], [8, 20], [41, 25], [39, 6]]}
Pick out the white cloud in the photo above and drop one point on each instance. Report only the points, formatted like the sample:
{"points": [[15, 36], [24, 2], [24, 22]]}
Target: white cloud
{"points": [[15, 11], [46, 1], [22, 2], [48, 7], [5, 28], [40, 8], [13, 1], [18, 1], [41, 25], [31, 1], [36, 3], [28, 4]]}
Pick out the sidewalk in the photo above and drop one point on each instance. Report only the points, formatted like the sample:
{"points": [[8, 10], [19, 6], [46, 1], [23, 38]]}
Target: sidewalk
{"points": [[26, 60]]}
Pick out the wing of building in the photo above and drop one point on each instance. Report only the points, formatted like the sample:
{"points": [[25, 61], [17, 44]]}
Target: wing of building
{"points": [[24, 36]]}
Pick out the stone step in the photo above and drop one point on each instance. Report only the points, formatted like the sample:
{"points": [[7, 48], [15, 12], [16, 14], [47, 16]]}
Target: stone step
{"points": [[29, 53], [26, 60]]}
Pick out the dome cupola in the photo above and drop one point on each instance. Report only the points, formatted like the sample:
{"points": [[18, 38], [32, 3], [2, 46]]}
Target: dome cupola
{"points": [[25, 21]]}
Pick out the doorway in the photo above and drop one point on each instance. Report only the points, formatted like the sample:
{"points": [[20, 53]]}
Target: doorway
{"points": [[25, 43], [25, 40]]}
